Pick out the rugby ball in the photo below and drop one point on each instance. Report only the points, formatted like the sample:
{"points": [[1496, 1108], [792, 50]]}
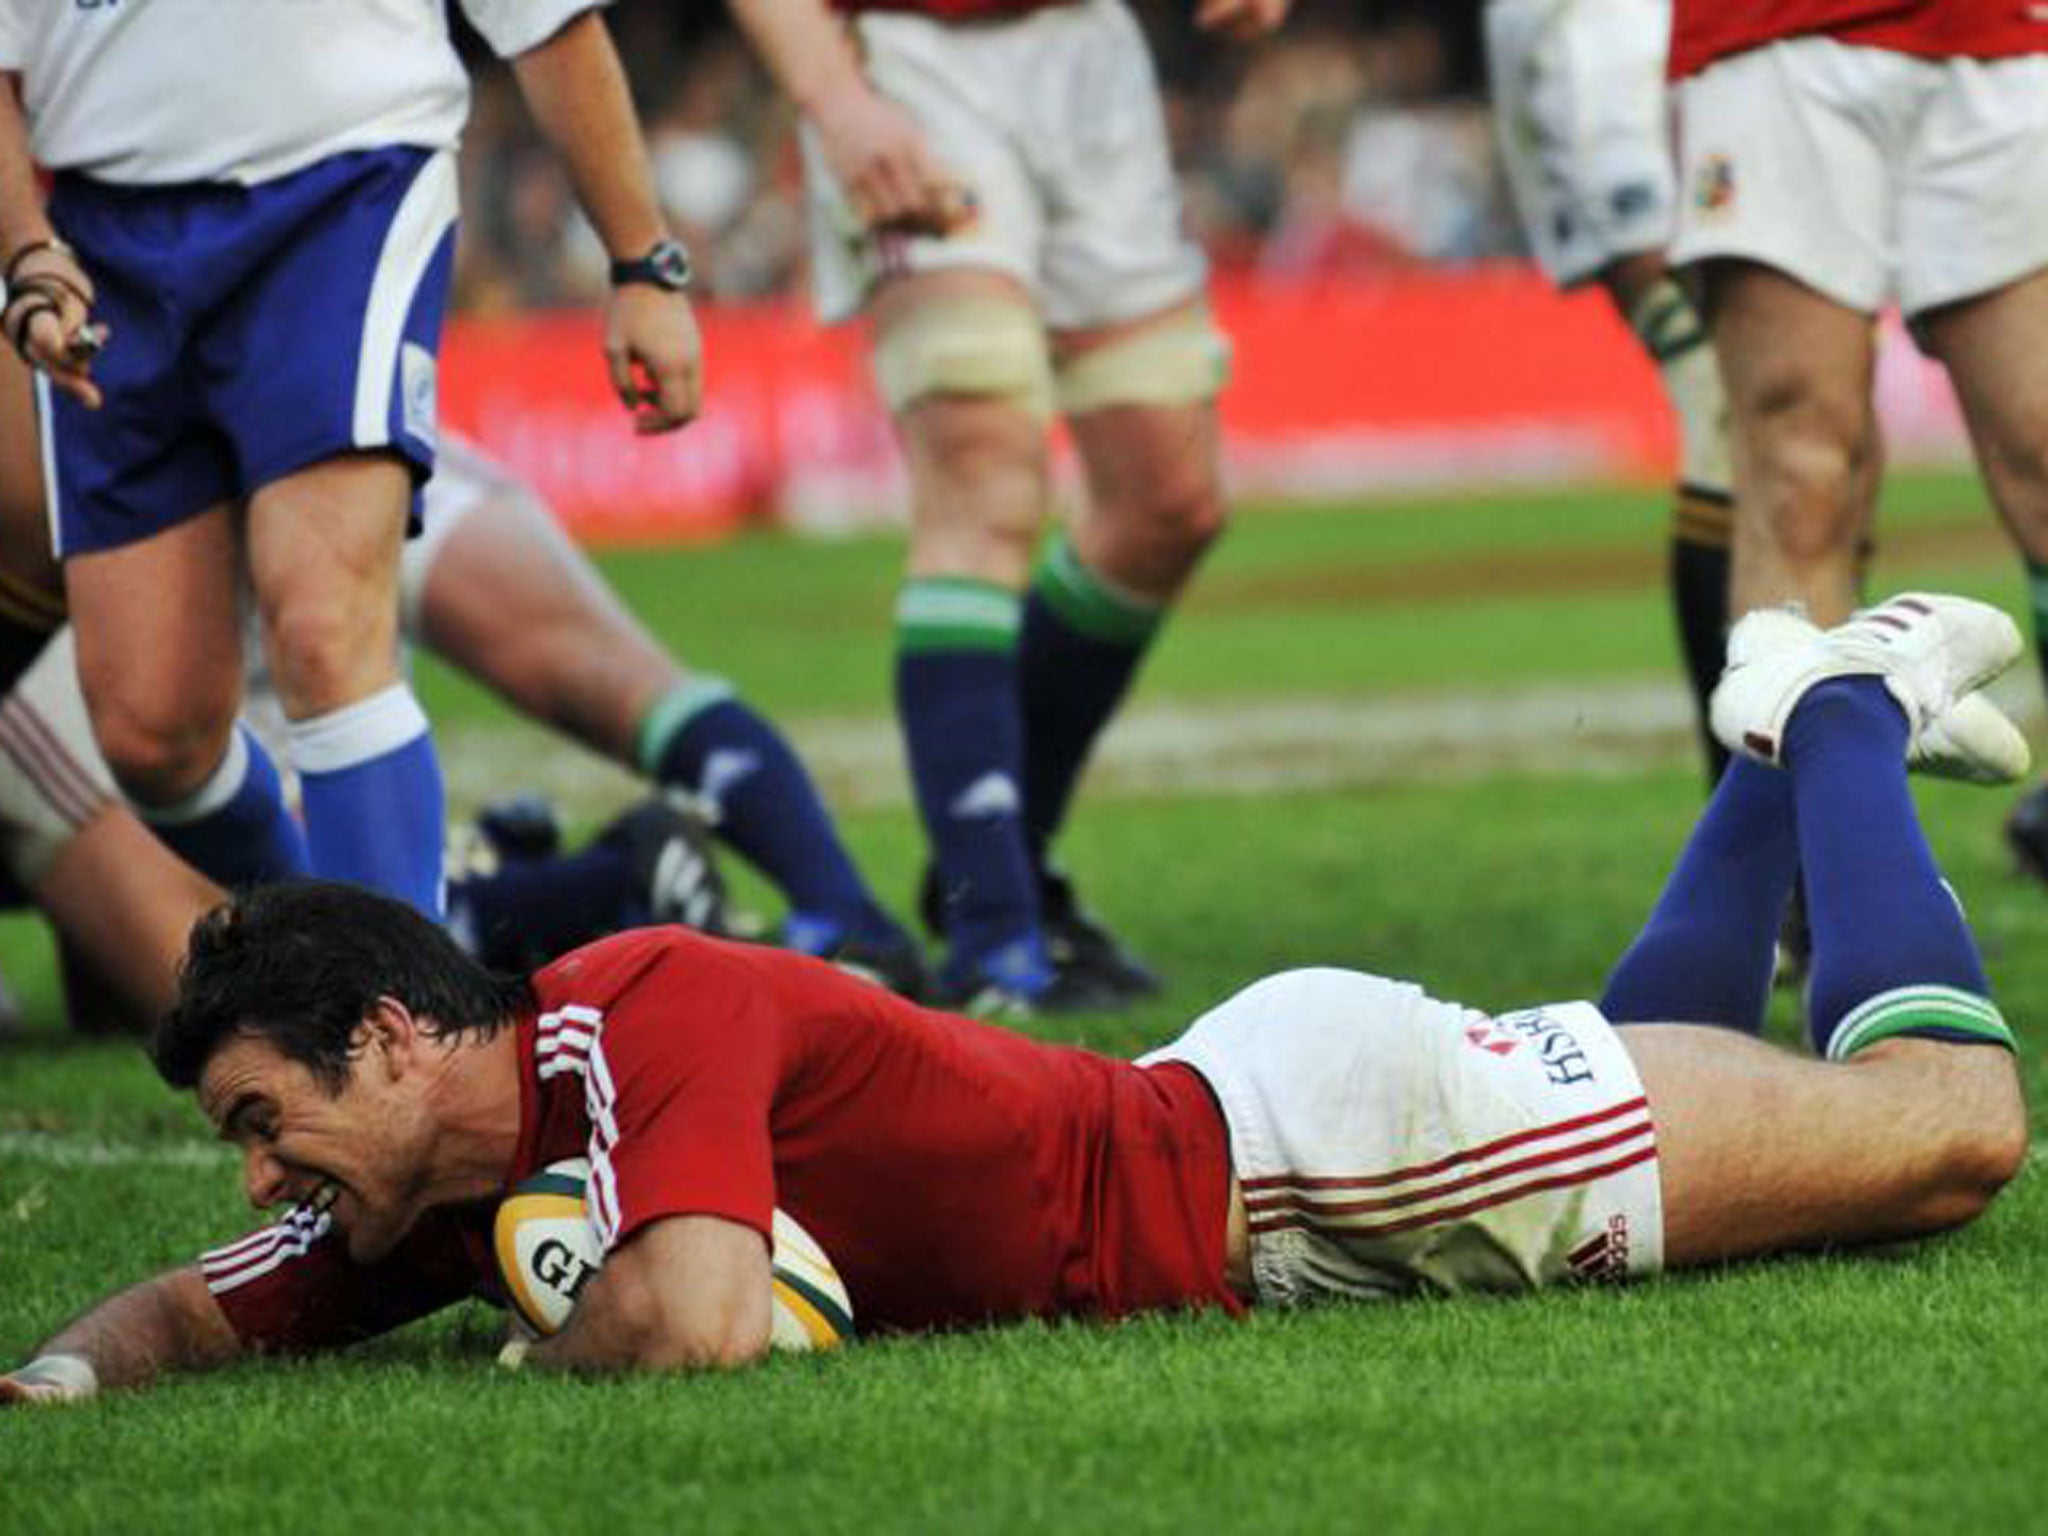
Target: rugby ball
{"points": [[547, 1253]]}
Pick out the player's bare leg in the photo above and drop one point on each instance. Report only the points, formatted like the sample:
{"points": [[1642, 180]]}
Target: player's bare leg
{"points": [[511, 600], [157, 654], [1797, 367], [971, 414], [126, 904], [1763, 1151], [1140, 402], [323, 559], [2002, 384], [31, 585]]}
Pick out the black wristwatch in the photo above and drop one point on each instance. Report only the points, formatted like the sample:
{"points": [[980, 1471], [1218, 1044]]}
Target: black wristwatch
{"points": [[666, 265]]}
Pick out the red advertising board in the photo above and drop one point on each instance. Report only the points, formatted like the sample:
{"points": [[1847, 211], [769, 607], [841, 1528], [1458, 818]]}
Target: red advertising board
{"points": [[1482, 376]]}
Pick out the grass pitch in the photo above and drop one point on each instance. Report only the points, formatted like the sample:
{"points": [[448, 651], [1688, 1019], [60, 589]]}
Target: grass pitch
{"points": [[1880, 1392]]}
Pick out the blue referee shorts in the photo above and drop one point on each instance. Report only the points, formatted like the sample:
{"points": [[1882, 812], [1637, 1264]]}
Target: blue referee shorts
{"points": [[256, 331]]}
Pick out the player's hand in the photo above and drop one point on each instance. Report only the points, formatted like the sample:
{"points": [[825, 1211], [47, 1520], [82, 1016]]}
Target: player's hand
{"points": [[892, 180], [49, 321], [1242, 21], [655, 355], [48, 1379]]}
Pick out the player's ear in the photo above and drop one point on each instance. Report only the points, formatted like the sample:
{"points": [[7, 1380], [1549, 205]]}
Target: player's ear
{"points": [[390, 1035]]}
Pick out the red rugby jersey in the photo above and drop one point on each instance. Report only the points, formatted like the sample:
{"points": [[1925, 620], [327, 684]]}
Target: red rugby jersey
{"points": [[1705, 30], [955, 1173]]}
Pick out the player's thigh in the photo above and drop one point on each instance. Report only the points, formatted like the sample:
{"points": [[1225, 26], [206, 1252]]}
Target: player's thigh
{"points": [[25, 554], [510, 600], [962, 358], [323, 547], [1793, 359], [127, 902], [159, 648], [1761, 1150], [1991, 348]]}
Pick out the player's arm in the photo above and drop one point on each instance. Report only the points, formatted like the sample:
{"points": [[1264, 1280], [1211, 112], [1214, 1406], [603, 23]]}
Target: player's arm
{"points": [[682, 1293], [576, 88], [875, 149], [48, 315], [170, 1323], [1242, 21]]}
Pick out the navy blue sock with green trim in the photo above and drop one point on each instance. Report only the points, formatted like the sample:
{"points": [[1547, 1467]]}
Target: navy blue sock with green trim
{"points": [[1080, 647], [762, 801], [956, 694], [1892, 954], [1705, 955]]}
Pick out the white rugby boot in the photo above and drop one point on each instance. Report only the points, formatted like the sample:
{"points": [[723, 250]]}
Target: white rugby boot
{"points": [[1932, 653]]}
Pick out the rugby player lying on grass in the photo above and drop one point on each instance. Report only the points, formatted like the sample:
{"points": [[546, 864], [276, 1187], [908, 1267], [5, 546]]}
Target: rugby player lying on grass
{"points": [[1322, 1134]]}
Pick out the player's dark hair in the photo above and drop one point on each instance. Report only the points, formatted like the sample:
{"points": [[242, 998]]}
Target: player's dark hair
{"points": [[300, 964]]}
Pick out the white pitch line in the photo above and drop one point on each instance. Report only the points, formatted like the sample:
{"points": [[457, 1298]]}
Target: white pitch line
{"points": [[63, 1149], [1252, 746]]}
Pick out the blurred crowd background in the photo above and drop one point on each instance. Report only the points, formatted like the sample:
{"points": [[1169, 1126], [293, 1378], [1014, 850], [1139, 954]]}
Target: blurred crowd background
{"points": [[1356, 141]]}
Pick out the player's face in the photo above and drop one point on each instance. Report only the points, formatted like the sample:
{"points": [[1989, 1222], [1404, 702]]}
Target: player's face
{"points": [[353, 1155]]}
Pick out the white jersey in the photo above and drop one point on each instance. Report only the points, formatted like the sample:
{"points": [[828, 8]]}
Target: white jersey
{"points": [[157, 92]]}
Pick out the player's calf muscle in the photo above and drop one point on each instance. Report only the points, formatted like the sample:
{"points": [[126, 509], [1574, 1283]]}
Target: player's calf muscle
{"points": [[1762, 1150]]}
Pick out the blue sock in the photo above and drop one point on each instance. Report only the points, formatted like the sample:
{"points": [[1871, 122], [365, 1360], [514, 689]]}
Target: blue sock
{"points": [[372, 793], [530, 911], [703, 739], [1892, 954], [956, 693], [1081, 644], [1706, 954], [235, 828]]}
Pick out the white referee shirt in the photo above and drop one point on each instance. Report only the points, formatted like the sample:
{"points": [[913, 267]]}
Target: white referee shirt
{"points": [[149, 92]]}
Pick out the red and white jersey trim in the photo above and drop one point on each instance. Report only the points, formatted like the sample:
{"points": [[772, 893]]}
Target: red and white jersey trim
{"points": [[261, 1252], [568, 1039], [1580, 1150]]}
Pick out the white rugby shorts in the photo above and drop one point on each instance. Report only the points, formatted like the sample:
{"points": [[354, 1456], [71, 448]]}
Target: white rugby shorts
{"points": [[464, 478], [1052, 120], [1583, 118], [1389, 1144], [1867, 174], [52, 777]]}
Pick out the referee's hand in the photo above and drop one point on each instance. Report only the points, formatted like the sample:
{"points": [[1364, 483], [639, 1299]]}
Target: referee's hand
{"points": [[655, 356], [48, 317]]}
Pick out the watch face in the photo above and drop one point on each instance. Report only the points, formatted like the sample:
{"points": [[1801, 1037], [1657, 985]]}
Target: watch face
{"points": [[670, 266]]}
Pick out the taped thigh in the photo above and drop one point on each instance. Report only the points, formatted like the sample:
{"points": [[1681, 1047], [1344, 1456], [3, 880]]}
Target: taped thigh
{"points": [[52, 777], [1181, 360], [965, 344]]}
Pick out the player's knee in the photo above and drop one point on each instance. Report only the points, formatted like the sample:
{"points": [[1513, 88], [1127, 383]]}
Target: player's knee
{"points": [[1151, 542], [325, 654], [1986, 1145], [158, 758]]}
